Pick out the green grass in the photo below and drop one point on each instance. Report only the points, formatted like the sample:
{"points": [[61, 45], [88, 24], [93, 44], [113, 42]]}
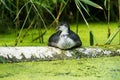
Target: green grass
{"points": [[99, 31], [104, 68]]}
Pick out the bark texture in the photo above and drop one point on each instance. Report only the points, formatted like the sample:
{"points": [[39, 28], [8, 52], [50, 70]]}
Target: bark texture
{"points": [[16, 54]]}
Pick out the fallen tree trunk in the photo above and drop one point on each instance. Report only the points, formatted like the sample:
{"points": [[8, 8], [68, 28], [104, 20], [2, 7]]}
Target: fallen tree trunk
{"points": [[16, 54]]}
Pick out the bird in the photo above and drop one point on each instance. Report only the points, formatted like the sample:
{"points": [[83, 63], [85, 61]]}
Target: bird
{"points": [[64, 38]]}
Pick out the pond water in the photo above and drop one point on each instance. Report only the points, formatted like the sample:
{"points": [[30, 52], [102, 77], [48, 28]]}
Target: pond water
{"points": [[102, 68]]}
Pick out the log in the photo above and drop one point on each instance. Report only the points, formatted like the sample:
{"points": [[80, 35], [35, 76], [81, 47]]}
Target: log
{"points": [[17, 54]]}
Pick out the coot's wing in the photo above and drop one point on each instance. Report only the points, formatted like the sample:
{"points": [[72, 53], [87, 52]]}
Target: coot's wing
{"points": [[76, 38], [54, 39]]}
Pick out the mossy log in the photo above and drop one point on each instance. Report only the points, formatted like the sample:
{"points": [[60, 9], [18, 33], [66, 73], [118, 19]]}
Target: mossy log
{"points": [[17, 54]]}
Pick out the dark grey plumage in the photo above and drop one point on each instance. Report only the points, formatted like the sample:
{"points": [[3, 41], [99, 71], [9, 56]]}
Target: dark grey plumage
{"points": [[53, 40], [64, 38]]}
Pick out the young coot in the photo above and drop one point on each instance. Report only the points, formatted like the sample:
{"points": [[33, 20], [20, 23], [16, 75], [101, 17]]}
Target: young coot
{"points": [[64, 38]]}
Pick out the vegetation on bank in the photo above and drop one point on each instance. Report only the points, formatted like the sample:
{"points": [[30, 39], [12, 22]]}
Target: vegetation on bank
{"points": [[99, 31]]}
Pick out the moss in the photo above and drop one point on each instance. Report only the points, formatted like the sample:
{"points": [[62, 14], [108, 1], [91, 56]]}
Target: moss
{"points": [[103, 68]]}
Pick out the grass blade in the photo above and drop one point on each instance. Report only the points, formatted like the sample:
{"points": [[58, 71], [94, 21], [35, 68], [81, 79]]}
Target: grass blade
{"points": [[82, 15], [80, 4], [21, 10], [91, 38], [38, 14], [3, 2], [48, 11], [91, 4], [105, 3], [110, 39], [16, 42], [46, 8]]}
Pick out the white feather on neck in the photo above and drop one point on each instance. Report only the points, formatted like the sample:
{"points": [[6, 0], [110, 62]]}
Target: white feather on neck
{"points": [[64, 30]]}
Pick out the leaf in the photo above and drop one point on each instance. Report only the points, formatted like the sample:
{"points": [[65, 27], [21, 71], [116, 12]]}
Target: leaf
{"points": [[63, 1], [110, 39], [49, 12], [91, 3], [82, 15], [46, 8], [105, 3], [91, 39], [3, 2], [21, 10], [78, 3], [38, 13]]}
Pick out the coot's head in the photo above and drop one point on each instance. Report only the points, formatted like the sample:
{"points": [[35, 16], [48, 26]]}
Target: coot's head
{"points": [[63, 26]]}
